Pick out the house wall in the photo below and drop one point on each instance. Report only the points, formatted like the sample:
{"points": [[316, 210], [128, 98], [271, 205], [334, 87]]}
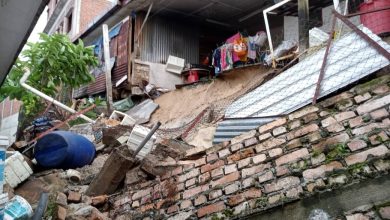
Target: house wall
{"points": [[9, 114], [91, 10], [340, 141], [162, 37]]}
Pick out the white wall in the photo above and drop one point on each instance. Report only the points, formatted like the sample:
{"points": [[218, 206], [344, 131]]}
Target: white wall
{"points": [[9, 127]]}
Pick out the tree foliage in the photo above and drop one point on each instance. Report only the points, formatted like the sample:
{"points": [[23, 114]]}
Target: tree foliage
{"points": [[54, 61]]}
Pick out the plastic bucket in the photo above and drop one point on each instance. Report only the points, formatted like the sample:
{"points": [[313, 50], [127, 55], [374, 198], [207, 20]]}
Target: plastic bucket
{"points": [[18, 209], [64, 149], [378, 22]]}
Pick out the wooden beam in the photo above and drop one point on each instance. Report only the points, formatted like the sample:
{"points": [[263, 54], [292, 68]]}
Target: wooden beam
{"points": [[107, 62], [303, 20]]}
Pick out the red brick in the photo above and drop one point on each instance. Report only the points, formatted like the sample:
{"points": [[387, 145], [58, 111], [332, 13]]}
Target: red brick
{"points": [[216, 207], [275, 152], [215, 194], [236, 147], [248, 182], [279, 130], [252, 193], [243, 163], [355, 145], [344, 116], [230, 168], [341, 138], [212, 157], [293, 144], [344, 104], [294, 192], [334, 128], [314, 136], [292, 157], [241, 155], [373, 105], [310, 117], [148, 207], [303, 112], [204, 178], [226, 179], [266, 176], [190, 182], [368, 128], [320, 171], [294, 124], [302, 131], [191, 174], [362, 156], [74, 196], [361, 98], [356, 122], [194, 191], [61, 213], [173, 209], [385, 212], [255, 170], [232, 188], [250, 142], [200, 200], [270, 143], [185, 204], [224, 153], [243, 137], [200, 162], [282, 170], [217, 172], [208, 167], [271, 125], [284, 183], [177, 171], [379, 114], [336, 99], [265, 136], [328, 121], [259, 158]]}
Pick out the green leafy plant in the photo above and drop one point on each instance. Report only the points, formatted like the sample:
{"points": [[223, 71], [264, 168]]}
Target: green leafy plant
{"points": [[339, 151], [54, 61]]}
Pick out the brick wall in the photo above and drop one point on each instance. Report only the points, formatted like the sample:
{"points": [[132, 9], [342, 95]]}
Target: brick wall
{"points": [[9, 113], [90, 10], [341, 140]]}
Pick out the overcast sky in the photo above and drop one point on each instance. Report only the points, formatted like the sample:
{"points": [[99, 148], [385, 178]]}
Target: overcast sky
{"points": [[34, 36]]}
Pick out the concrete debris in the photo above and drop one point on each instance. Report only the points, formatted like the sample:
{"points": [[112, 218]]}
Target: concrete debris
{"points": [[142, 112], [112, 173]]}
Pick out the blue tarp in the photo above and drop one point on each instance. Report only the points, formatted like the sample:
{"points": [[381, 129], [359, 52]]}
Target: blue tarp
{"points": [[99, 42]]}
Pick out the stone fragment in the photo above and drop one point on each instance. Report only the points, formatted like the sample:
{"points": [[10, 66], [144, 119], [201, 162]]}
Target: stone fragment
{"points": [[61, 199], [274, 199], [294, 192], [382, 165], [358, 216], [275, 152], [338, 180]]}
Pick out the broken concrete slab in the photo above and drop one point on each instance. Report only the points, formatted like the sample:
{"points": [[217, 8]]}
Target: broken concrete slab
{"points": [[112, 173], [142, 112]]}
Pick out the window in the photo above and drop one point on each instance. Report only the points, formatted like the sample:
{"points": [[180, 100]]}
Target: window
{"points": [[68, 19]]}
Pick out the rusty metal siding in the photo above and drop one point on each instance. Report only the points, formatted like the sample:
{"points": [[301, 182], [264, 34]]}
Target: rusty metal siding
{"points": [[123, 40], [162, 37]]}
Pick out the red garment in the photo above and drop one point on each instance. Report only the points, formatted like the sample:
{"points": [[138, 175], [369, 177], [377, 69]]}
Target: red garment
{"points": [[231, 41]]}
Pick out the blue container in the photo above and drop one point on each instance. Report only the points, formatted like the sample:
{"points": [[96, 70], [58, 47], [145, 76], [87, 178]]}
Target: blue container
{"points": [[64, 149]]}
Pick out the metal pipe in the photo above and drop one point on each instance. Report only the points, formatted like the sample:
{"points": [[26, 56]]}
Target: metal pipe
{"points": [[42, 204], [146, 139], [273, 7], [48, 98]]}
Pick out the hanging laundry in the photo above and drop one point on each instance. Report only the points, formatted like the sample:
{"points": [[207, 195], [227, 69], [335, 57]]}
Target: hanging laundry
{"points": [[217, 60]]}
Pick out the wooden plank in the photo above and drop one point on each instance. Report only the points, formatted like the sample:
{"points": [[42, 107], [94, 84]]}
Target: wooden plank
{"points": [[106, 46]]}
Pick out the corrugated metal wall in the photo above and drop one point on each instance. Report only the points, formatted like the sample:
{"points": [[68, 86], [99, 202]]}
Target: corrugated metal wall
{"points": [[162, 37]]}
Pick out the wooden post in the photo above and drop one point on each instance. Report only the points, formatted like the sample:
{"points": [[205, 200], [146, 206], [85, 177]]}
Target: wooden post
{"points": [[303, 20], [107, 62]]}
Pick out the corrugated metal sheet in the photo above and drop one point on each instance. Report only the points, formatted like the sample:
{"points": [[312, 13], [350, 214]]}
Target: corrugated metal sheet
{"points": [[230, 128], [162, 37], [123, 40], [350, 59]]}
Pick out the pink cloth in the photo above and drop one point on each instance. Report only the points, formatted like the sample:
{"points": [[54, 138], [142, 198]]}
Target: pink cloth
{"points": [[231, 41]]}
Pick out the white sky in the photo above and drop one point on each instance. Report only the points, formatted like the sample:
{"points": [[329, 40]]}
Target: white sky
{"points": [[34, 37]]}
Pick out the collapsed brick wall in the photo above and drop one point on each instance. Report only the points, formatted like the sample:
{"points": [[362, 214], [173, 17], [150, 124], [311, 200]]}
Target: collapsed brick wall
{"points": [[340, 140]]}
